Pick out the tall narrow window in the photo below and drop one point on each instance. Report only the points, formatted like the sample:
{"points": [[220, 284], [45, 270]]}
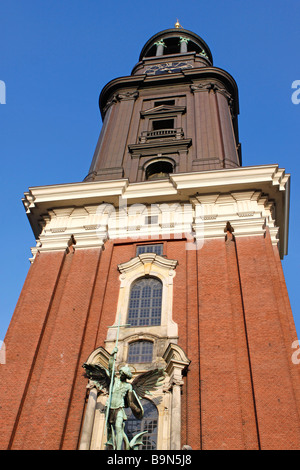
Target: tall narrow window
{"points": [[145, 302], [148, 423]]}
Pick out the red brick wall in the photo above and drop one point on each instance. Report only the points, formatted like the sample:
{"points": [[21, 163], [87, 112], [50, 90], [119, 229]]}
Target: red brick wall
{"points": [[24, 337], [268, 320], [225, 394], [235, 325]]}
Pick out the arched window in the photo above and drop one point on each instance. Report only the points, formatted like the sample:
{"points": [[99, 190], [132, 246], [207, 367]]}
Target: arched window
{"points": [[140, 351], [145, 302], [159, 169], [149, 423]]}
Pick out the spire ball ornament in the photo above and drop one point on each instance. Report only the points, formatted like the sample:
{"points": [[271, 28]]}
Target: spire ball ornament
{"points": [[177, 24]]}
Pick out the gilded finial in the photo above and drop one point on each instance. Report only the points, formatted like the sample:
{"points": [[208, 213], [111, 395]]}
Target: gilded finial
{"points": [[177, 24]]}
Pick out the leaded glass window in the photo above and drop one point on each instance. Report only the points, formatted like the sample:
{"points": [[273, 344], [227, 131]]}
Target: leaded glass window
{"points": [[149, 423], [140, 351], [156, 248], [145, 302]]}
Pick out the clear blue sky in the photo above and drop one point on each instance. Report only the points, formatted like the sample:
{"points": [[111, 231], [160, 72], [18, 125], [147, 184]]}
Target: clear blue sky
{"points": [[56, 56]]}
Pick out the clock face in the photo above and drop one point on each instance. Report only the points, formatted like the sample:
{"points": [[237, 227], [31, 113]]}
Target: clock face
{"points": [[169, 67]]}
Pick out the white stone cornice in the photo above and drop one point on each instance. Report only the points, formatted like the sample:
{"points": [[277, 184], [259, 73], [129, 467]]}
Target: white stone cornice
{"points": [[75, 192], [206, 181], [195, 204], [234, 178]]}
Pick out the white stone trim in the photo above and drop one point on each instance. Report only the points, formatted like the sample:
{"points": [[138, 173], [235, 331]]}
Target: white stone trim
{"points": [[249, 213], [94, 191], [176, 362], [197, 205], [147, 264]]}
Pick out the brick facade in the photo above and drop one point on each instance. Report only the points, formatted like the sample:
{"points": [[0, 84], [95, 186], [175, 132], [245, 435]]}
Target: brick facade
{"points": [[241, 390]]}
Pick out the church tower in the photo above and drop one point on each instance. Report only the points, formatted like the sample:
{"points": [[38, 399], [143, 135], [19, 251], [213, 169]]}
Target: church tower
{"points": [[171, 250]]}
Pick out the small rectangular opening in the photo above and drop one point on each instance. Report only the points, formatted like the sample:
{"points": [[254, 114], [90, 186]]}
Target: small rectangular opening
{"points": [[157, 248], [166, 102], [163, 124], [151, 219]]}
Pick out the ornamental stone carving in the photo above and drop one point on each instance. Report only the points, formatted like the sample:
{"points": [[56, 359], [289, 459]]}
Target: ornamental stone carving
{"points": [[214, 87], [129, 95]]}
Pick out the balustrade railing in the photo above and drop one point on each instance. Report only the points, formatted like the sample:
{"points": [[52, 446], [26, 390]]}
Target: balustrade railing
{"points": [[176, 133]]}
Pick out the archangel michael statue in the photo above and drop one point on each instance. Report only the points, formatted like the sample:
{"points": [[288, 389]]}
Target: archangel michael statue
{"points": [[123, 394]]}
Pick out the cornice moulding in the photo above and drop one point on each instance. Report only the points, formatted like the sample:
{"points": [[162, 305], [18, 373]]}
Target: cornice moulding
{"points": [[137, 82], [62, 210], [201, 181], [163, 109], [175, 144]]}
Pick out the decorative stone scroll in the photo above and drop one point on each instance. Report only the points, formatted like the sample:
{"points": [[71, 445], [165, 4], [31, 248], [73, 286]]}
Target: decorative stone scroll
{"points": [[214, 87]]}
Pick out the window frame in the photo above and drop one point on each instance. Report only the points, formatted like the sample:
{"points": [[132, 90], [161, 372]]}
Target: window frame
{"points": [[147, 264], [152, 245], [140, 354], [152, 161], [141, 425], [139, 303], [160, 123]]}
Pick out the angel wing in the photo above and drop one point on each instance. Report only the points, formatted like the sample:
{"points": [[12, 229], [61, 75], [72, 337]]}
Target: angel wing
{"points": [[97, 374], [147, 382]]}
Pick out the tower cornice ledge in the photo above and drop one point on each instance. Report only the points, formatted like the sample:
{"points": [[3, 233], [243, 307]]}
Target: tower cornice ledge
{"points": [[188, 76]]}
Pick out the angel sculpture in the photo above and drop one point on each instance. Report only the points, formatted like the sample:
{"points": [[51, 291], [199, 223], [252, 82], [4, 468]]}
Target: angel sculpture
{"points": [[123, 395]]}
